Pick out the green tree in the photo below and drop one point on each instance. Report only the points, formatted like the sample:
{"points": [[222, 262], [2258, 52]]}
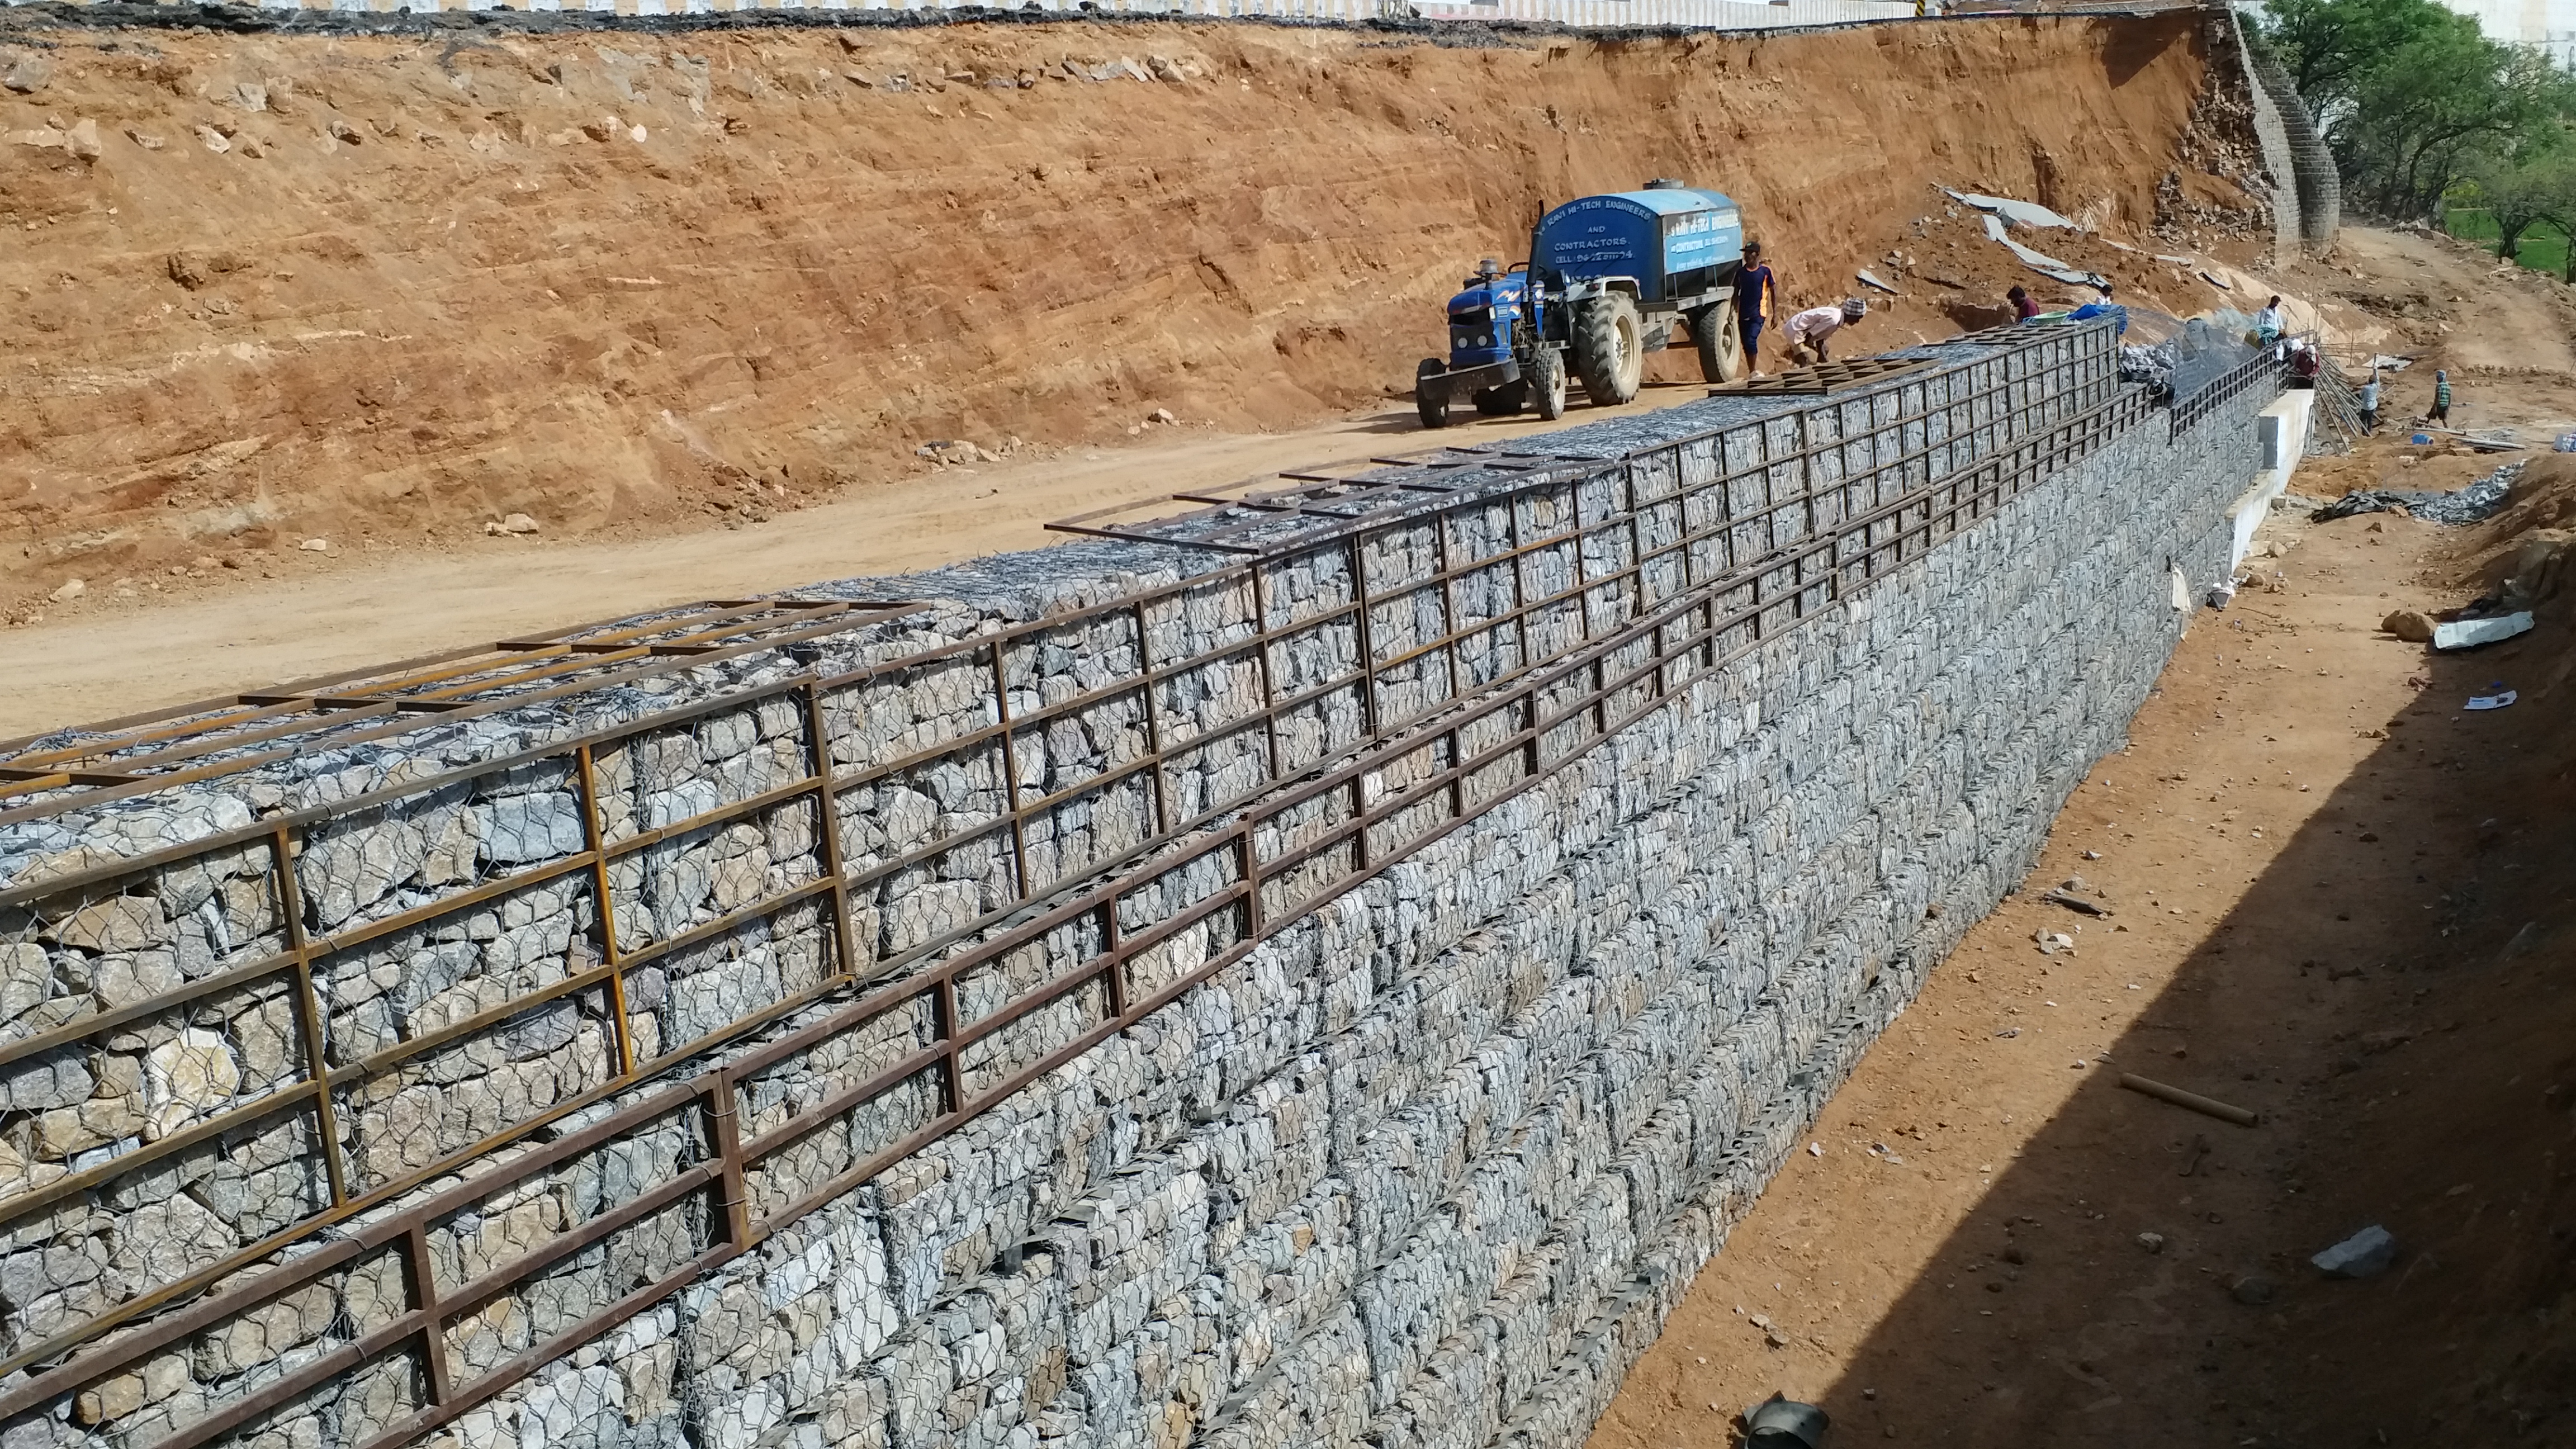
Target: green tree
{"points": [[2411, 97], [2523, 190], [2329, 45], [2438, 106]]}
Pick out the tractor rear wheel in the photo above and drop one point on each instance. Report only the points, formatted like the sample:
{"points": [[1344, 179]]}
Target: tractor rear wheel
{"points": [[1610, 349], [1721, 343], [1431, 393], [1502, 402], [1547, 383]]}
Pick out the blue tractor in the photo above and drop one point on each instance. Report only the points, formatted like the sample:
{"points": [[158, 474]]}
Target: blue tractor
{"points": [[1610, 279]]}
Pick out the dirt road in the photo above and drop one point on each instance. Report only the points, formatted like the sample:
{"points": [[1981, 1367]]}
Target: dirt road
{"points": [[2503, 317], [2341, 900], [185, 635]]}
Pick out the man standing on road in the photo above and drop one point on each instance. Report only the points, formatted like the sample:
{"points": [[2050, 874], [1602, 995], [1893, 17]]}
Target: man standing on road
{"points": [[1809, 331], [1753, 303], [2441, 412]]}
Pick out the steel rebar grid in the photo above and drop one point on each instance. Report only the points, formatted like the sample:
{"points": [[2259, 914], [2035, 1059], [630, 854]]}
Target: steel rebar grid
{"points": [[1646, 685], [716, 928], [1802, 563]]}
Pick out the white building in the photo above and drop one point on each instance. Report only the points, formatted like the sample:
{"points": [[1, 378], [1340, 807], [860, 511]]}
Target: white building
{"points": [[2548, 24]]}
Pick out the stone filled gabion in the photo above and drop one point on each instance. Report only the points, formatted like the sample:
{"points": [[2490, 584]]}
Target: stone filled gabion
{"points": [[1426, 1166]]}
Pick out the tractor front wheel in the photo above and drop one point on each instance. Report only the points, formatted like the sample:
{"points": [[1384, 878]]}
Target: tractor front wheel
{"points": [[1547, 383], [1721, 343], [1610, 349], [1431, 393]]}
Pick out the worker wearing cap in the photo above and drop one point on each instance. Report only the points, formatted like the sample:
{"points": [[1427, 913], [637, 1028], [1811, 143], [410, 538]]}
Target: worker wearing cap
{"points": [[2441, 412], [1811, 330]]}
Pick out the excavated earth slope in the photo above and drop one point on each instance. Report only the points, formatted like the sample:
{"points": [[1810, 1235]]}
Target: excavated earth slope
{"points": [[387, 287]]}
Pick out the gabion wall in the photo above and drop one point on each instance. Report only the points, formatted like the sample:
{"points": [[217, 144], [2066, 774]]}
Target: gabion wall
{"points": [[1395, 1104]]}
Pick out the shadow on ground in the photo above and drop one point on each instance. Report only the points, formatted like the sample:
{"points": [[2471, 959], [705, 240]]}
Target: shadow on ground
{"points": [[2396, 994]]}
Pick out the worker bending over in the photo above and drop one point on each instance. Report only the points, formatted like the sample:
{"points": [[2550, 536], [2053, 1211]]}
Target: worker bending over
{"points": [[1810, 331]]}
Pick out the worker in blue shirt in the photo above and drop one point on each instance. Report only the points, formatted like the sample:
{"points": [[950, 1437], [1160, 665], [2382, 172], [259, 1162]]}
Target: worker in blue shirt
{"points": [[1753, 303]]}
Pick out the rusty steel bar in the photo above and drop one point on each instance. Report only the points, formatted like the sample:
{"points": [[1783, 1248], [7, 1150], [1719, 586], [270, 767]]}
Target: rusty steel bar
{"points": [[818, 757], [604, 902], [308, 1010]]}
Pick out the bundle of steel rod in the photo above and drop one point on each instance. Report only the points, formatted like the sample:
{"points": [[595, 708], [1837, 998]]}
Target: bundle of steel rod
{"points": [[2337, 425]]}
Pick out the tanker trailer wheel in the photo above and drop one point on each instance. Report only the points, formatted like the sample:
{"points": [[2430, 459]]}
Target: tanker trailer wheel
{"points": [[1431, 394], [1502, 402], [1721, 344], [1610, 349], [1547, 383]]}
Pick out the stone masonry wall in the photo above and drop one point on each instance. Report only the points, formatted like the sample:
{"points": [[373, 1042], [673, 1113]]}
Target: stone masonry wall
{"points": [[1423, 1165], [1471, 1131]]}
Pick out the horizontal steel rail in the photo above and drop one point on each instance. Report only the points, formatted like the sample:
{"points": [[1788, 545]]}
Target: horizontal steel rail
{"points": [[1779, 587], [2189, 410]]}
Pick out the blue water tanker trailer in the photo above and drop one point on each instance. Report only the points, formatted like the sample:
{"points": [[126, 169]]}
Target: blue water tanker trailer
{"points": [[1609, 279]]}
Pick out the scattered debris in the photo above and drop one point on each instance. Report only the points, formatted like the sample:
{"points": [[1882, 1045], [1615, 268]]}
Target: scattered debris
{"points": [[2041, 262], [950, 451], [2500, 699], [2015, 213], [2217, 281], [71, 589], [2071, 895], [1771, 1332], [1815, 1149], [2009, 1032], [515, 523], [1778, 1422], [2470, 633], [2366, 1254], [2409, 625], [2052, 943], [315, 545], [2252, 1288], [2199, 1150], [2499, 441], [2473, 504], [2192, 1100], [2152, 1242], [1870, 279], [27, 74]]}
